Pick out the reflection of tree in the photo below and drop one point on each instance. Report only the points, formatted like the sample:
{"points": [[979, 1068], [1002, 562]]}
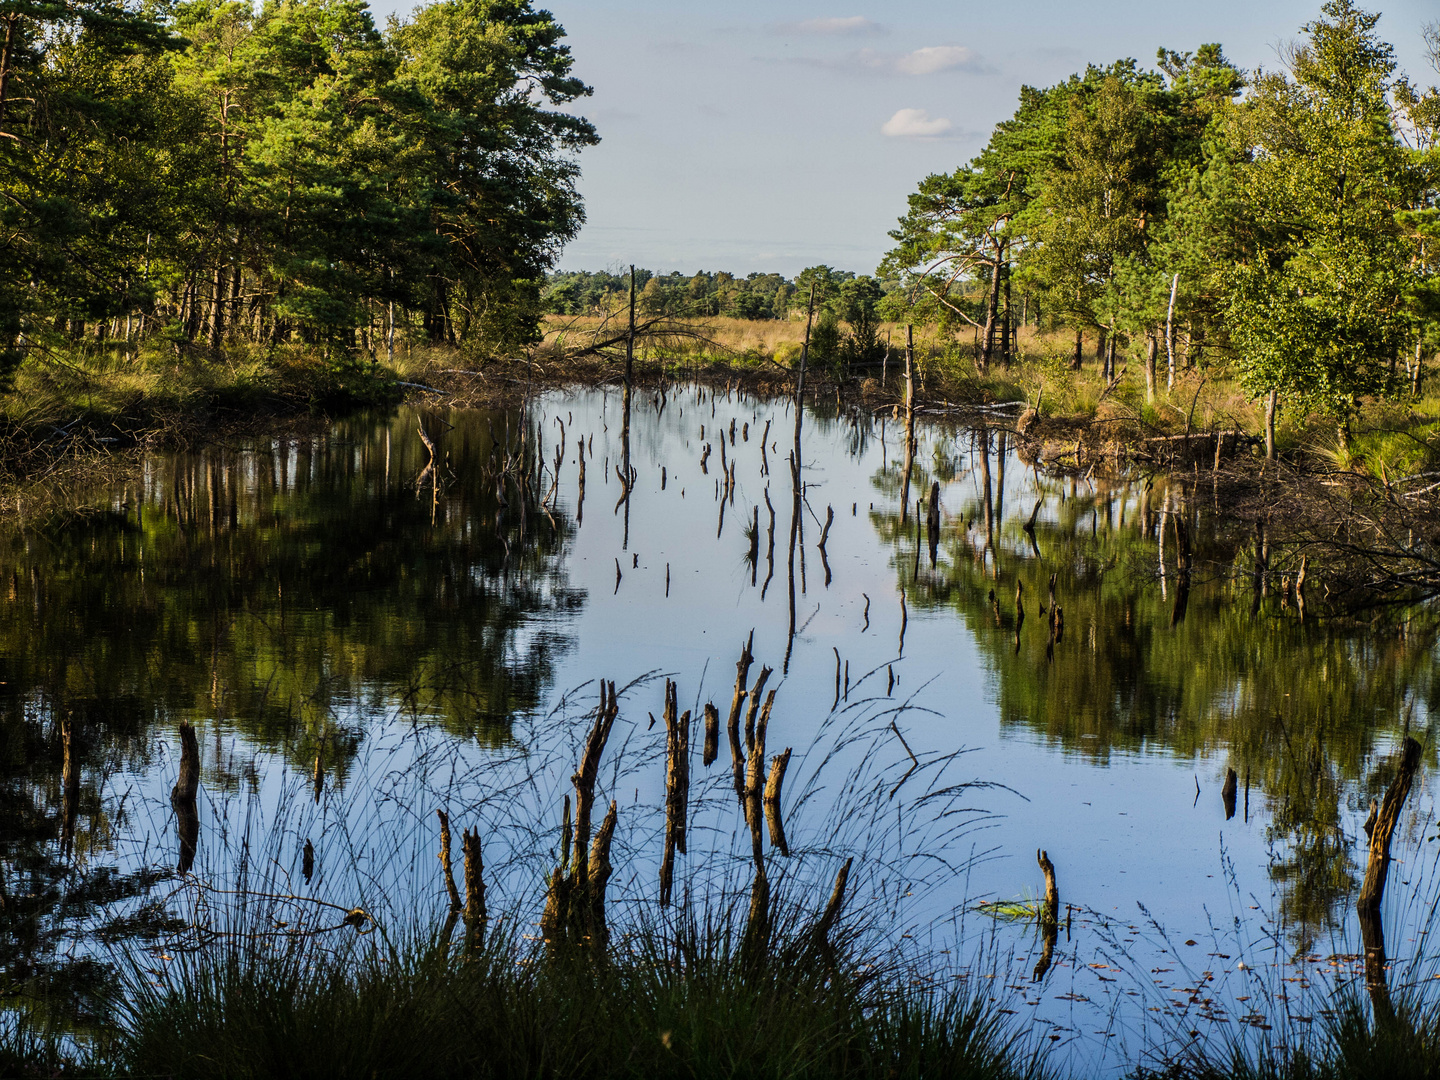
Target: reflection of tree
{"points": [[1295, 708], [287, 586], [286, 592], [46, 890]]}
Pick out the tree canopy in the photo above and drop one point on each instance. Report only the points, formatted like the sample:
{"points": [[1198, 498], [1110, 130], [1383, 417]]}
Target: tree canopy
{"points": [[1283, 221], [215, 172]]}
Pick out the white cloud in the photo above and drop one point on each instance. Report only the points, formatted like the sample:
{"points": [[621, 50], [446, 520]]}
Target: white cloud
{"points": [[916, 124], [933, 58], [852, 25], [930, 60]]}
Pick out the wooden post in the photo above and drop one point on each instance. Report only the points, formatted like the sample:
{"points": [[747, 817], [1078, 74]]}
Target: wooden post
{"points": [[909, 422], [677, 786], [187, 784], [69, 786], [800, 377], [475, 913], [446, 867], [932, 522], [755, 777], [737, 701], [630, 339], [1049, 916], [1228, 792], [754, 710], [712, 734], [599, 874], [772, 801], [183, 796]]}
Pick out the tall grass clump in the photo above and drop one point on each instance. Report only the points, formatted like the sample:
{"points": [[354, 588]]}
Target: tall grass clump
{"points": [[1349, 1043], [312, 936], [690, 997]]}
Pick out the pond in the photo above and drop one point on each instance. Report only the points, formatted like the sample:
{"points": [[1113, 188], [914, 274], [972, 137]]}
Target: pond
{"points": [[362, 635]]}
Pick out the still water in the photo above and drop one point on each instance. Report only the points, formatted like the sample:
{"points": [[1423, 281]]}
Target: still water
{"points": [[362, 636]]}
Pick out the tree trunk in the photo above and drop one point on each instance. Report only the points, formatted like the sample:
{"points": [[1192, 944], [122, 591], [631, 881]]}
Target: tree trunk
{"points": [[909, 422], [236, 276], [1417, 377], [992, 310], [630, 337], [1005, 353], [217, 307], [1170, 335], [1271, 404], [435, 319], [1151, 348], [1079, 349], [5, 57]]}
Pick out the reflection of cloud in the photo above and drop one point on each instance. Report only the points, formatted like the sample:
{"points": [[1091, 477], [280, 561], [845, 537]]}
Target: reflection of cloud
{"points": [[853, 25], [916, 124], [927, 61]]}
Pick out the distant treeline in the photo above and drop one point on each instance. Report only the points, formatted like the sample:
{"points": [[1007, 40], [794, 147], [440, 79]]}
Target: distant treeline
{"points": [[707, 294]]}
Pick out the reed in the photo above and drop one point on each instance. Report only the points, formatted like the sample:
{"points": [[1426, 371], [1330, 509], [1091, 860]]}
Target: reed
{"points": [[669, 999]]}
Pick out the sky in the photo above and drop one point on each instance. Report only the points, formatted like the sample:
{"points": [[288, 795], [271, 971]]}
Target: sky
{"points": [[767, 137]]}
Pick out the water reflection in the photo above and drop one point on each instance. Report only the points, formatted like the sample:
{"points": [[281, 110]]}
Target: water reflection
{"points": [[438, 571], [277, 592], [1180, 639]]}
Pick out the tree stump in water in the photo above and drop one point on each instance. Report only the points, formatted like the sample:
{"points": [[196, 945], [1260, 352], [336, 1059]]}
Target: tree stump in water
{"points": [[575, 899], [1388, 817], [475, 913], [1380, 828], [1049, 917], [183, 795], [677, 786], [773, 785], [187, 784], [712, 734]]}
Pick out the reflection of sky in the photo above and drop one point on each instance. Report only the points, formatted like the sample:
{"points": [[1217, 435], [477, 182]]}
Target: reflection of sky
{"points": [[1121, 827]]}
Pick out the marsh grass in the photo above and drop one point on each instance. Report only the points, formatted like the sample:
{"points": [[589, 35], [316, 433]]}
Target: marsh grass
{"points": [[678, 998], [266, 977], [1263, 1001]]}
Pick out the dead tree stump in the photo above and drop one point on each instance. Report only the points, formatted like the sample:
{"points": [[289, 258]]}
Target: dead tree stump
{"points": [[1049, 917], [772, 802], [1380, 829], [183, 798], [475, 913]]}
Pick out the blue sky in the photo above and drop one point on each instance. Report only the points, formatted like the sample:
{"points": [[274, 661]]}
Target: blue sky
{"points": [[772, 136]]}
